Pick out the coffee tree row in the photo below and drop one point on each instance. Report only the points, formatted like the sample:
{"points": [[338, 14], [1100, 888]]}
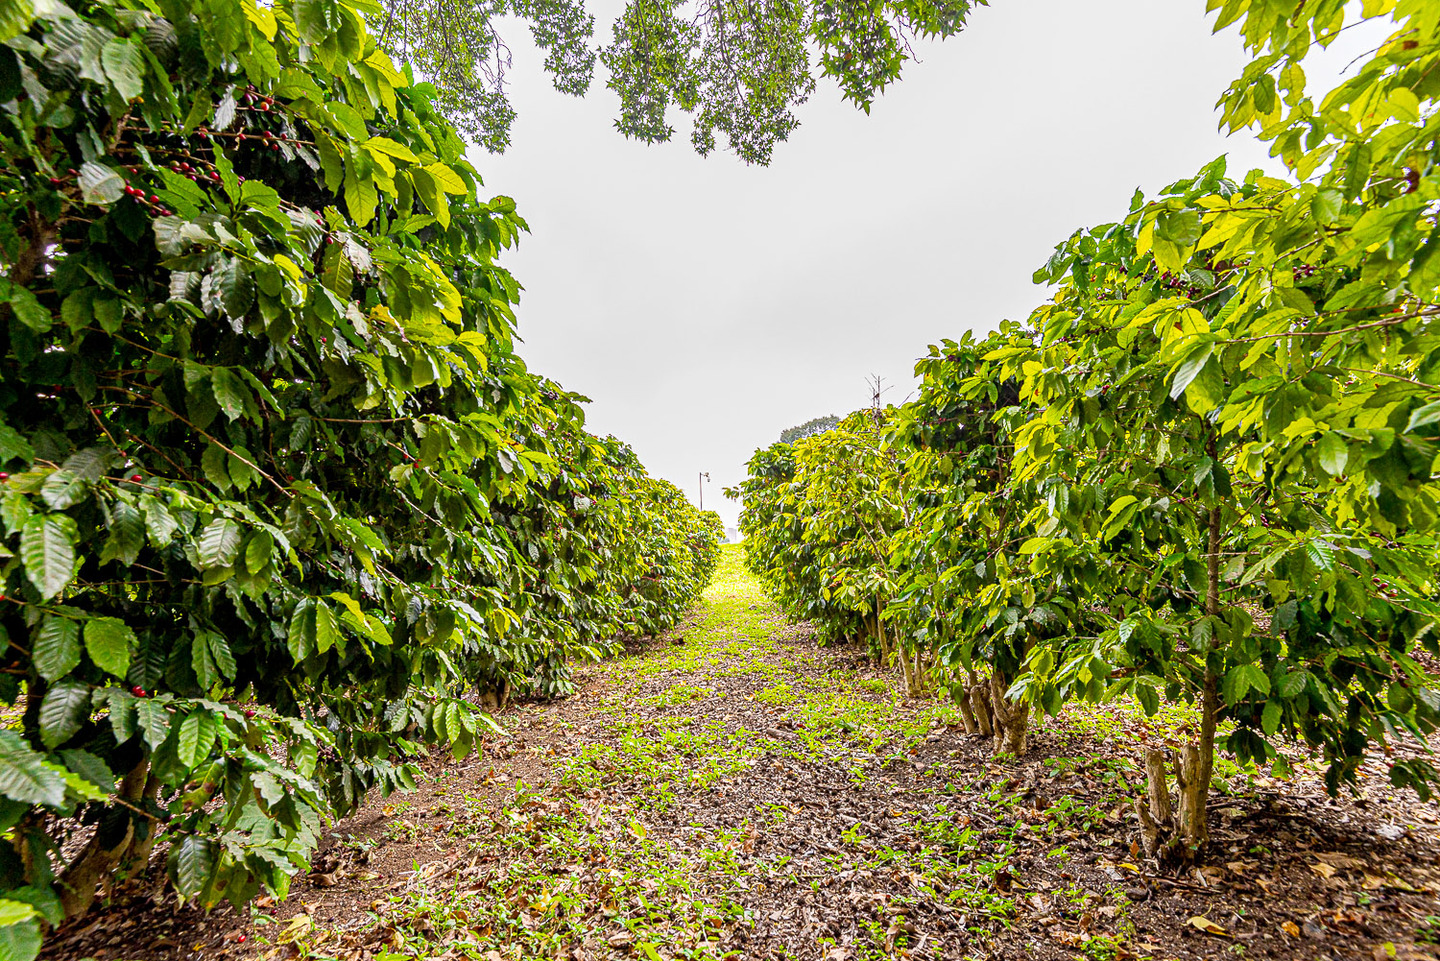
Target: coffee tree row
{"points": [[276, 492], [1203, 471]]}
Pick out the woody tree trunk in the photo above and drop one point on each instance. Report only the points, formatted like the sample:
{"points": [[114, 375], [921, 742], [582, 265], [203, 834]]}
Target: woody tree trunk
{"points": [[107, 847], [1011, 719], [1176, 834]]}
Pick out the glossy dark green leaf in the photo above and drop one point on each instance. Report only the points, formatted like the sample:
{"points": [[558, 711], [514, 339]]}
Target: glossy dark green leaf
{"points": [[230, 392], [47, 546], [126, 534], [109, 642], [192, 862], [91, 768], [220, 543], [64, 710], [57, 647], [24, 775]]}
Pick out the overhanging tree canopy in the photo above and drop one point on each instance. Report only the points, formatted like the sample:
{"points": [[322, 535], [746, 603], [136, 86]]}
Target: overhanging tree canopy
{"points": [[738, 69]]}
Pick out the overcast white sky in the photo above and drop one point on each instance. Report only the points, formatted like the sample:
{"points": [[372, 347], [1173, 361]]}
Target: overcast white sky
{"points": [[705, 306]]}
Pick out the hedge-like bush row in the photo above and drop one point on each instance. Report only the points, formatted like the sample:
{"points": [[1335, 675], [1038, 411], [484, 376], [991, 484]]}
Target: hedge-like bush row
{"points": [[278, 498]]}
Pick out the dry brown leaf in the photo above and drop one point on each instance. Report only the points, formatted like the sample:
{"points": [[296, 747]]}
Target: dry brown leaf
{"points": [[1339, 860], [1322, 869], [1291, 928], [1209, 927]]}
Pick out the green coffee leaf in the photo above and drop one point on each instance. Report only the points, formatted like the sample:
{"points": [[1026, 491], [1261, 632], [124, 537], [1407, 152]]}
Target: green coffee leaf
{"points": [[1291, 684], [236, 289], [197, 736], [192, 861], [56, 650], [1240, 679], [223, 658], [220, 543], [230, 393], [91, 768], [24, 775], [127, 534], [1270, 717], [100, 184], [19, 936], [1333, 453], [47, 547], [124, 68], [202, 661], [28, 310], [63, 489], [63, 712], [327, 628], [109, 642], [154, 721]]}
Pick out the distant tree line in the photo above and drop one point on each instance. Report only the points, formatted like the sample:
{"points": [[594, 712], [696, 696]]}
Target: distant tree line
{"points": [[816, 425]]}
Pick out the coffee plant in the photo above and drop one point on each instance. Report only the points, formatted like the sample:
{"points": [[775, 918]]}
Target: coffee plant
{"points": [[278, 497], [819, 521], [966, 590], [1203, 470]]}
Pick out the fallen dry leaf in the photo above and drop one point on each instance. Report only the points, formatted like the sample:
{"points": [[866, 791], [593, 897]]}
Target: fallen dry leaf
{"points": [[1208, 926], [1291, 928]]}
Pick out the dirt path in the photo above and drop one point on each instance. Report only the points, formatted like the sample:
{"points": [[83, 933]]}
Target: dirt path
{"points": [[732, 790]]}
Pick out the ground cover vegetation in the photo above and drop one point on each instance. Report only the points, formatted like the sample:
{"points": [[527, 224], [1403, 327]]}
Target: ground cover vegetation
{"points": [[280, 504], [1201, 472]]}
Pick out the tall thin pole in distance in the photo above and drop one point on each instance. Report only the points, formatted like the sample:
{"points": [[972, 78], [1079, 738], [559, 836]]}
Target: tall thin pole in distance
{"points": [[704, 476]]}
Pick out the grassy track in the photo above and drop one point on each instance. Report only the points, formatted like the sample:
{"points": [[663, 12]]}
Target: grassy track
{"points": [[711, 796]]}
